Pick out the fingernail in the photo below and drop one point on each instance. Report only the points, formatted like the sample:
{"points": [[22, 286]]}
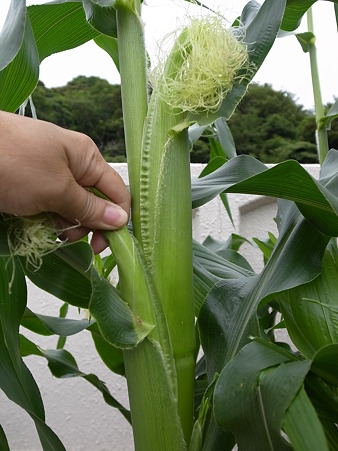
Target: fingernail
{"points": [[115, 216]]}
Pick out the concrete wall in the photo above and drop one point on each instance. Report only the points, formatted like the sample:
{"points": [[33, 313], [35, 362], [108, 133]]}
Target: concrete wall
{"points": [[74, 409]]}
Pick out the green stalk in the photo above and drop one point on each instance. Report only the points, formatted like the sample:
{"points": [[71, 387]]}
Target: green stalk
{"points": [[166, 231], [323, 146], [132, 60]]}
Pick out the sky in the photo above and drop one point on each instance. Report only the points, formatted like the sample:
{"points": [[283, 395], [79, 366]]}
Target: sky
{"points": [[286, 68]]}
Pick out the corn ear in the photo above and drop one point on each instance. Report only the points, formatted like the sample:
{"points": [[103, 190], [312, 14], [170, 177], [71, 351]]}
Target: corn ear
{"points": [[166, 233]]}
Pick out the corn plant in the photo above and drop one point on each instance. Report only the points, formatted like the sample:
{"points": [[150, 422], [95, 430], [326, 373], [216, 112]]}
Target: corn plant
{"points": [[175, 294]]}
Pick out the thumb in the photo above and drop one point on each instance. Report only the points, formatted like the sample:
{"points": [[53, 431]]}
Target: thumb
{"points": [[83, 207]]}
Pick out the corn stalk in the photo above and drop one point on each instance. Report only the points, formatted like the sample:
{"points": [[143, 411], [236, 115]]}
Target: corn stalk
{"points": [[322, 140]]}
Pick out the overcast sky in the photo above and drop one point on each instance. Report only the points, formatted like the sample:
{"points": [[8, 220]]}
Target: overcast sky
{"points": [[286, 67]]}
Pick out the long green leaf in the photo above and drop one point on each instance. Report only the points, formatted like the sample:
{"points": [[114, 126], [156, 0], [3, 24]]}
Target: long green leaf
{"points": [[116, 321], [294, 12], [110, 45], [69, 275], [316, 200], [66, 274], [34, 34], [3, 440], [225, 138], [310, 311], [59, 26], [322, 397], [325, 363], [229, 309], [49, 325], [15, 379], [111, 356], [303, 426], [63, 365], [103, 19], [20, 76], [12, 33], [245, 400], [330, 115]]}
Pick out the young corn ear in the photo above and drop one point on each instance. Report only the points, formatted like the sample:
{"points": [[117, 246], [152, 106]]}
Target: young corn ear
{"points": [[166, 233]]}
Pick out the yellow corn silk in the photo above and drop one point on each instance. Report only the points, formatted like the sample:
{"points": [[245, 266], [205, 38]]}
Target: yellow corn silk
{"points": [[33, 237], [211, 59]]}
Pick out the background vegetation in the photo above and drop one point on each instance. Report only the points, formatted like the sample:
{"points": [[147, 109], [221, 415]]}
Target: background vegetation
{"points": [[268, 124]]}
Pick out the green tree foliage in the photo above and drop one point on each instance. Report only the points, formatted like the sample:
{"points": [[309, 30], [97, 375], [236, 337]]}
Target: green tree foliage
{"points": [[267, 124], [271, 126]]}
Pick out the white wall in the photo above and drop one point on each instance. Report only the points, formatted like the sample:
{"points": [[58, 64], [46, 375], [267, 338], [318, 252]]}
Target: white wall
{"points": [[74, 409]]}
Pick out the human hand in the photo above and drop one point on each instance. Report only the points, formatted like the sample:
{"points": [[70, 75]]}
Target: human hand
{"points": [[45, 168]]}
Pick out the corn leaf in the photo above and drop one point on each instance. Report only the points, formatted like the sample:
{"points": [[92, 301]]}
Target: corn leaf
{"points": [[322, 397], [310, 311], [12, 32], [325, 364], [20, 75], [244, 398], [15, 379], [234, 242], [116, 321], [217, 265], [229, 309], [35, 33], [331, 433], [303, 427], [3, 440], [49, 325], [63, 365], [66, 274], [317, 200], [225, 138], [305, 40], [111, 356], [110, 45], [102, 18], [59, 26], [69, 275], [330, 115], [210, 268], [294, 12]]}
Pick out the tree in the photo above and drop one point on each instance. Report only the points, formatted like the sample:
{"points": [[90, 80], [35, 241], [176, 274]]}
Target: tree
{"points": [[266, 122]]}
